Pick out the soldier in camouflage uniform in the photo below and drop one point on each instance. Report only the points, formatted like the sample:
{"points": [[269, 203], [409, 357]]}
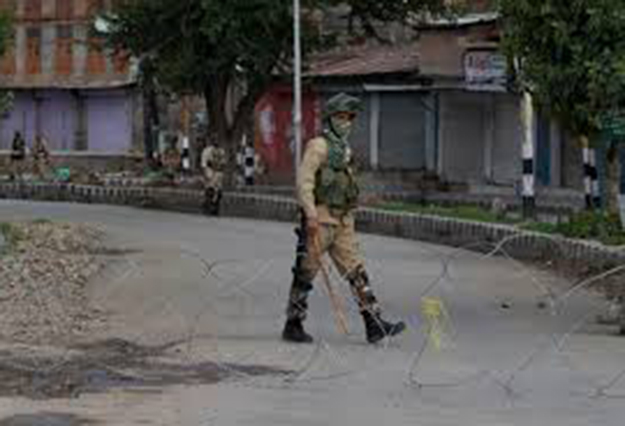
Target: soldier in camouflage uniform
{"points": [[41, 158], [213, 163], [328, 196], [171, 159], [18, 156]]}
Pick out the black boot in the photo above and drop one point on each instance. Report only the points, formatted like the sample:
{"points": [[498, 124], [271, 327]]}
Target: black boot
{"points": [[207, 205], [377, 329], [294, 332], [217, 203]]}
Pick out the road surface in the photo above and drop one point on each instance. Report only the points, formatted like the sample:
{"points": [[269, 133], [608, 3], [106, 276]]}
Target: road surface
{"points": [[215, 288]]}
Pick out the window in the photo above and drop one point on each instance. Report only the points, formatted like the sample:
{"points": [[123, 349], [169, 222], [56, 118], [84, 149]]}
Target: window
{"points": [[64, 50], [33, 51], [96, 59]]}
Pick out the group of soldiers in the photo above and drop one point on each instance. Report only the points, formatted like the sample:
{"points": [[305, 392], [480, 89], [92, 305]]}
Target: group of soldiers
{"points": [[39, 162]]}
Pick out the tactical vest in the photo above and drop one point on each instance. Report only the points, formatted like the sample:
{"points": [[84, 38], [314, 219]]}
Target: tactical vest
{"points": [[40, 153], [18, 149], [335, 184]]}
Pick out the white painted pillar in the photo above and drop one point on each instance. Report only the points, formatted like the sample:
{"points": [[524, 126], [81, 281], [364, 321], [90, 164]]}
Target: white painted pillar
{"points": [[591, 177], [529, 157]]}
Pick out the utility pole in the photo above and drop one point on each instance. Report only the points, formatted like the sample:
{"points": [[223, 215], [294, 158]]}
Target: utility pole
{"points": [[297, 85]]}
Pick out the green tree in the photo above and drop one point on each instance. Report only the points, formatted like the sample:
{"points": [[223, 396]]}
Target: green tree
{"points": [[215, 48], [570, 54]]}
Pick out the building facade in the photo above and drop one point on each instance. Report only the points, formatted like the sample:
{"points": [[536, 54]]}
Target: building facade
{"points": [[67, 87], [439, 107]]}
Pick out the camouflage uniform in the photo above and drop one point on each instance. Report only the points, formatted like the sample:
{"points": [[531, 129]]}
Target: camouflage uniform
{"points": [[18, 156], [213, 164], [328, 196], [41, 157], [171, 160]]}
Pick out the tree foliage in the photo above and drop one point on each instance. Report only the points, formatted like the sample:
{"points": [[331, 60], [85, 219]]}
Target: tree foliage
{"points": [[369, 13], [6, 31], [209, 47], [570, 54]]}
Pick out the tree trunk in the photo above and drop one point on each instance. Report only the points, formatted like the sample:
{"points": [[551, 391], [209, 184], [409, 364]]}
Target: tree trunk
{"points": [[148, 131], [229, 135], [150, 113], [219, 129], [613, 177]]}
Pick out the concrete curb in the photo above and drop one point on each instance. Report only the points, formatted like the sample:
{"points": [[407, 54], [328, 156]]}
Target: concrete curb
{"points": [[446, 231]]}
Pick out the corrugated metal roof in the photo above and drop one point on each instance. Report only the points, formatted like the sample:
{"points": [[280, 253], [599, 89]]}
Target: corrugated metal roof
{"points": [[366, 61]]}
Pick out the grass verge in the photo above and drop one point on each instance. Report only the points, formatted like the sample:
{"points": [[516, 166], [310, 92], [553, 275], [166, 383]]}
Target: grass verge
{"points": [[596, 226]]}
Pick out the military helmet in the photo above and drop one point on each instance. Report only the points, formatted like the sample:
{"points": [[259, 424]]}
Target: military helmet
{"points": [[342, 103]]}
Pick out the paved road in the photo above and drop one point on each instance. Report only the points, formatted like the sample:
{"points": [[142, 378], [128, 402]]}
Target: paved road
{"points": [[500, 367]]}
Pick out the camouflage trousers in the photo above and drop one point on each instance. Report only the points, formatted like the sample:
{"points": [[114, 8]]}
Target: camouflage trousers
{"points": [[339, 241], [213, 183], [213, 179], [41, 168], [18, 168]]}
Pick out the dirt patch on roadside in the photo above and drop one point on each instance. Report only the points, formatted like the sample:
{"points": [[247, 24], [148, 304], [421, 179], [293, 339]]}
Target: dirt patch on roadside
{"points": [[45, 312], [43, 278], [105, 365], [46, 419]]}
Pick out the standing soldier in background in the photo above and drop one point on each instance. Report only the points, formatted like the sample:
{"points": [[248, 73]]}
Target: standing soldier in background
{"points": [[213, 163], [171, 159], [18, 156], [41, 157], [328, 196]]}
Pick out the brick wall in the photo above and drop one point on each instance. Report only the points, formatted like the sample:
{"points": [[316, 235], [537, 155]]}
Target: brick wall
{"points": [[441, 51], [32, 10], [50, 44], [64, 9]]}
